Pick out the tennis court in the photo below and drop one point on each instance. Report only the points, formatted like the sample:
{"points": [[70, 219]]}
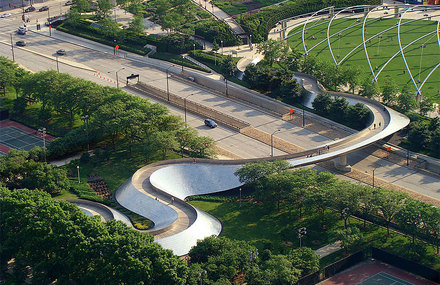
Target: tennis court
{"points": [[383, 278], [13, 137]]}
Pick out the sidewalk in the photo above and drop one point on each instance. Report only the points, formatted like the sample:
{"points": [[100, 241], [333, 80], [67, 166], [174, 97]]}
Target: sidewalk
{"points": [[328, 249]]}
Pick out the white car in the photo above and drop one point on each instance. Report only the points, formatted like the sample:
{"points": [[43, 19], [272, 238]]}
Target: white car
{"points": [[6, 15]]}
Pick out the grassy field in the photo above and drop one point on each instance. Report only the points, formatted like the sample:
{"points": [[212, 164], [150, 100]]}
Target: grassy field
{"points": [[235, 7], [277, 231], [379, 49]]}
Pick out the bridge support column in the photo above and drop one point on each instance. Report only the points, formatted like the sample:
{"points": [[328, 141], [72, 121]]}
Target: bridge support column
{"points": [[342, 165]]}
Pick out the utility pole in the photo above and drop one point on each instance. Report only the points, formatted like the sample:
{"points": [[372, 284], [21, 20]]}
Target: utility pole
{"points": [[12, 47]]}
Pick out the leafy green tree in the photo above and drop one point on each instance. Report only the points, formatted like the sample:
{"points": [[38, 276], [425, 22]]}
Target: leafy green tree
{"points": [[253, 171], [136, 24], [228, 65], [368, 89], [108, 27], [350, 75], [279, 269], [349, 237], [9, 73], [431, 224], [410, 217], [81, 5], [389, 91], [418, 135], [291, 91], [322, 103], [406, 101], [73, 17], [426, 105], [339, 108], [304, 259], [434, 144], [390, 203], [357, 116], [103, 10], [273, 51]]}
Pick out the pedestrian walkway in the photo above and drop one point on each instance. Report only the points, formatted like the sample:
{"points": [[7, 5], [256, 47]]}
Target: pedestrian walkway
{"points": [[328, 249]]}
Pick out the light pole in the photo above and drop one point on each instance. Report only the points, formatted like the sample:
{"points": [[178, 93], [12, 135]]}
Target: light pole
{"points": [[86, 118], [378, 47], [304, 118], [222, 45], [12, 47], [201, 276], [226, 83], [58, 68], [79, 177], [253, 256], [421, 57], [184, 104], [301, 233], [271, 142], [345, 215], [117, 78], [194, 46], [168, 86], [43, 133], [240, 197]]}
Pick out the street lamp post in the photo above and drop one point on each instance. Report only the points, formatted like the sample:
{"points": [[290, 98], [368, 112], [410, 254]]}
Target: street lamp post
{"points": [[226, 83], [58, 68], [168, 86], [374, 169], [194, 46], [86, 118], [421, 57], [201, 276], [271, 142], [43, 133], [253, 256], [79, 177], [301, 233], [222, 45], [117, 77], [345, 216], [12, 47], [304, 118], [184, 104], [240, 196]]}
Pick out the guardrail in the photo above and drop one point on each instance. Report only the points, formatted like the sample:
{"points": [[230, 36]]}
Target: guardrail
{"points": [[190, 106]]}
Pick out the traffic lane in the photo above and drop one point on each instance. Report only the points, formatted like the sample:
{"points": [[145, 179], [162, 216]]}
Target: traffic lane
{"points": [[225, 138], [396, 174]]}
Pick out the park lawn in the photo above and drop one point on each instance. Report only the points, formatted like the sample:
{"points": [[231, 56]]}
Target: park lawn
{"points": [[348, 34], [235, 7], [271, 229], [118, 166]]}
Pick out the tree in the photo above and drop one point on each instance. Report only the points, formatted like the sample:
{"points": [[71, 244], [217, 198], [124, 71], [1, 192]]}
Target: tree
{"points": [[228, 66], [389, 91], [108, 27], [273, 50], [426, 105], [339, 108], [349, 237], [418, 135], [322, 103], [252, 171], [304, 259], [431, 225], [406, 101], [136, 24], [368, 89], [366, 204], [280, 270], [104, 7], [350, 75], [291, 91], [357, 116], [389, 203], [410, 217]]}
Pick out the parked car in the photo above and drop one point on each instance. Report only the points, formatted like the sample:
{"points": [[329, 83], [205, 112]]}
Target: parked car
{"points": [[61, 52], [210, 123], [68, 3], [21, 43], [44, 8], [6, 15], [29, 9]]}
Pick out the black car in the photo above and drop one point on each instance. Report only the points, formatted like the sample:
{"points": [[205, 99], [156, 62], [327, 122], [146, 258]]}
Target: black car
{"points": [[68, 3], [29, 9], [61, 52], [21, 43], [210, 123], [44, 8]]}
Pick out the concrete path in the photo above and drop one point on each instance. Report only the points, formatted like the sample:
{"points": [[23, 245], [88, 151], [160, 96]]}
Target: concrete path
{"points": [[328, 249]]}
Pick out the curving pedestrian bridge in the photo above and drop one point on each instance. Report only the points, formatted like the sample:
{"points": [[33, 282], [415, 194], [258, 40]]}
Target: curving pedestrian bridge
{"points": [[157, 191]]}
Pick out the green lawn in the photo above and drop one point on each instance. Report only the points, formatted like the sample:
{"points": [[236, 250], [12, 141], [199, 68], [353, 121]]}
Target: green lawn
{"points": [[379, 50], [277, 231], [235, 7]]}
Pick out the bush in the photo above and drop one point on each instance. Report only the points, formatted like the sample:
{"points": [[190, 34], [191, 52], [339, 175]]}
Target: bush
{"points": [[174, 43], [216, 31], [73, 141]]}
